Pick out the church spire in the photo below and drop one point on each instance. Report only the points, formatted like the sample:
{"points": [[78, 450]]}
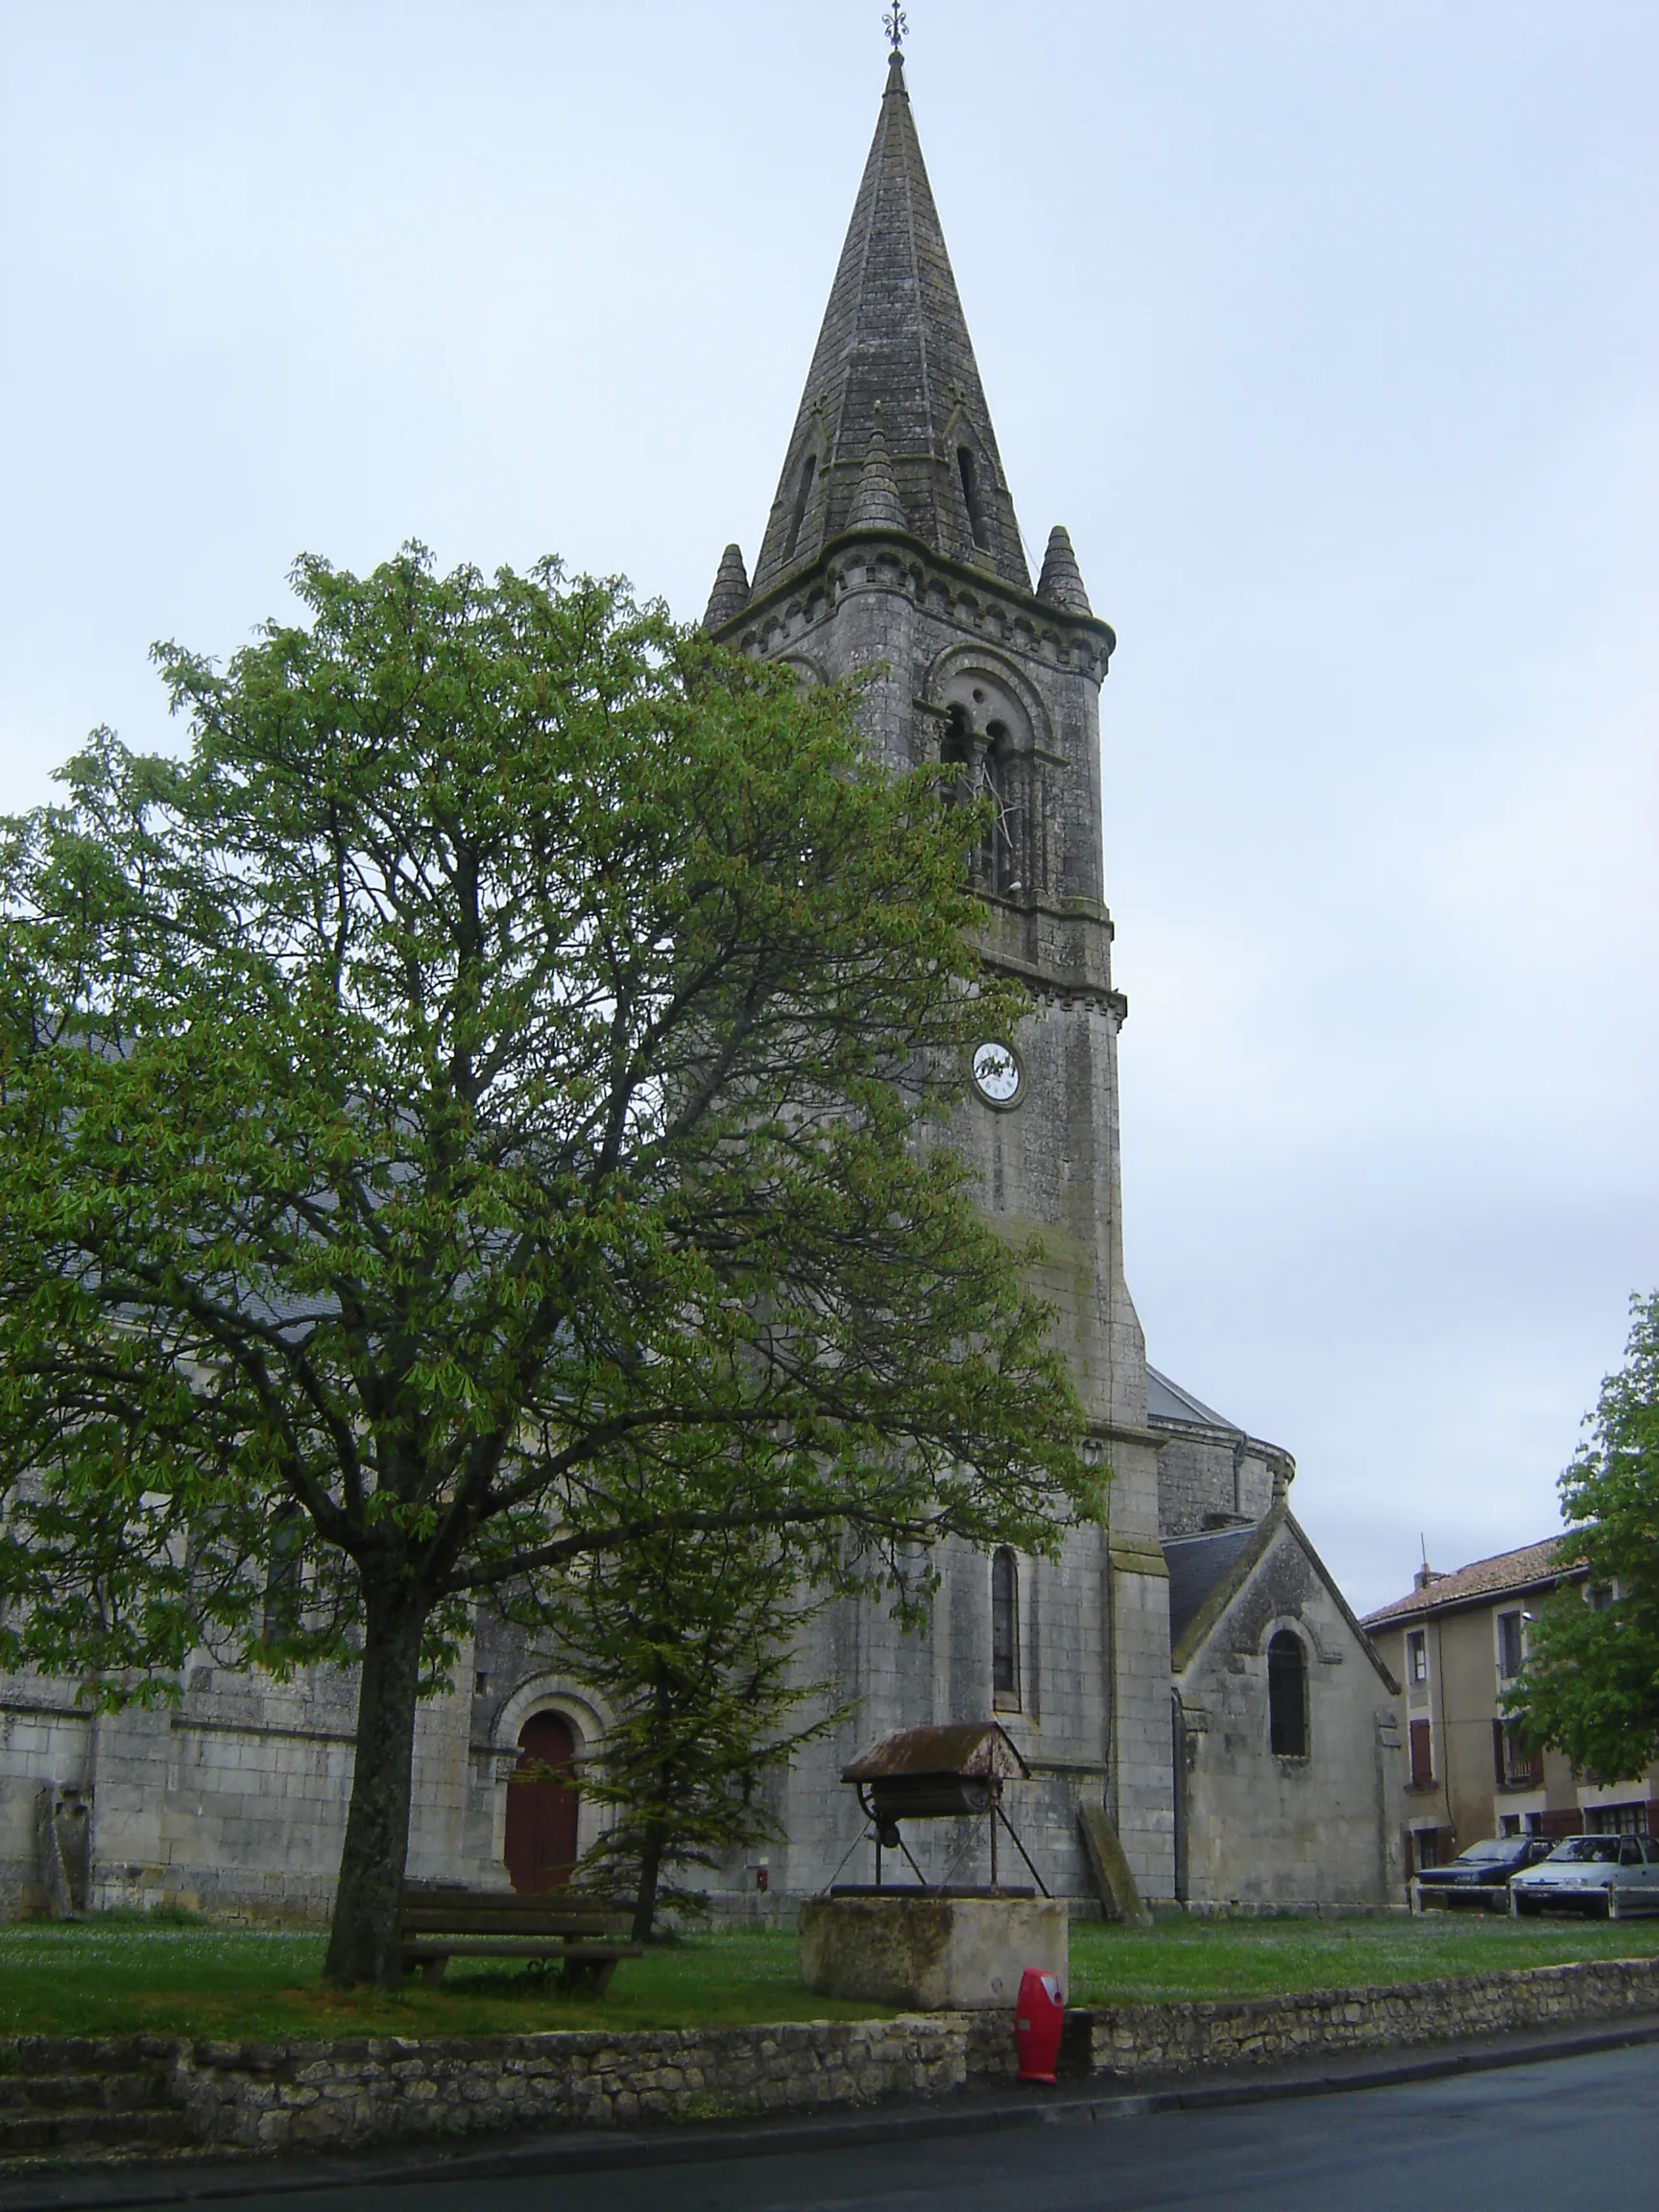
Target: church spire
{"points": [[894, 338]]}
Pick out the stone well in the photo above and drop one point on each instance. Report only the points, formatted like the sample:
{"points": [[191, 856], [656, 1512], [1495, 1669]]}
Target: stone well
{"points": [[930, 1952]]}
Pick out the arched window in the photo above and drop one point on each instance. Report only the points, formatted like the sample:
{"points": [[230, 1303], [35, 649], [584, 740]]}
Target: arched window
{"points": [[284, 1574], [1004, 1630], [973, 498], [1288, 1696], [803, 495]]}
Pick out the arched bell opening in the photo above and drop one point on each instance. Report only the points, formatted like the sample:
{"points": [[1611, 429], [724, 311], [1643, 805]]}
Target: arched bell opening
{"points": [[1005, 840]]}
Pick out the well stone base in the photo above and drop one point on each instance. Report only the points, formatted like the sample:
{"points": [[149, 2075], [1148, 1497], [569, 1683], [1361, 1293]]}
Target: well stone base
{"points": [[931, 1954]]}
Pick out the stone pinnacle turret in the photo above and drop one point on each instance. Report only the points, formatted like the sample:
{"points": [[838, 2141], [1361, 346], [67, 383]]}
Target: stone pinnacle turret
{"points": [[1062, 580], [876, 504], [730, 594]]}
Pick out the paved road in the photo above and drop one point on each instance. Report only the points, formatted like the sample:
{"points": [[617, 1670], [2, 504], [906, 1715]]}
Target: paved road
{"points": [[1577, 2131]]}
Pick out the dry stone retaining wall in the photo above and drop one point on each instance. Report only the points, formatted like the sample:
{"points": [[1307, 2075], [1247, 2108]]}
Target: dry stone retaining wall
{"points": [[1131, 2040], [97, 2096], [286, 2095]]}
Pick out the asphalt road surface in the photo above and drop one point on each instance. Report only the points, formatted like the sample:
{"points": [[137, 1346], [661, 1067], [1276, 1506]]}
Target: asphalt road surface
{"points": [[1575, 2131]]}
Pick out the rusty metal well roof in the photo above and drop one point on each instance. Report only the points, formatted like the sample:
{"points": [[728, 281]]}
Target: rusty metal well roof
{"points": [[979, 1748]]}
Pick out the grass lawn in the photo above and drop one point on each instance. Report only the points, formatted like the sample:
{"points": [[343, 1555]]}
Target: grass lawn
{"points": [[1182, 1958], [113, 1976], [116, 1975]]}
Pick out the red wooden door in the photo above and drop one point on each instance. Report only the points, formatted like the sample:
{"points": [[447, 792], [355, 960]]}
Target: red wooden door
{"points": [[541, 1800]]}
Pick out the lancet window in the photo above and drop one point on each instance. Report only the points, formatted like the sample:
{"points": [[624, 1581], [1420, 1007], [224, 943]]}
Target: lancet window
{"points": [[973, 497], [1005, 1630], [803, 500], [1288, 1696]]}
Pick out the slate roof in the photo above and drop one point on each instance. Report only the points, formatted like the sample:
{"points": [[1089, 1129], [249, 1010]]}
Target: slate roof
{"points": [[1196, 1565], [1522, 1570], [894, 336], [1166, 1401]]}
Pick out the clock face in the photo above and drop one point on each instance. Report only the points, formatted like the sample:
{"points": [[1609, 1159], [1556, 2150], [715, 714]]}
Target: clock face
{"points": [[996, 1075]]}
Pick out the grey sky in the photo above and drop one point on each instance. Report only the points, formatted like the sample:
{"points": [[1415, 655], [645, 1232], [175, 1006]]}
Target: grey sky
{"points": [[1330, 332]]}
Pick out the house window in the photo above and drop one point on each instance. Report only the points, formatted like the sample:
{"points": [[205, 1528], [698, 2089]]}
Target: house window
{"points": [[1597, 1595], [1417, 1655], [1422, 1755], [1509, 1652], [1615, 1819], [1516, 1764], [1005, 1631], [1288, 1696]]}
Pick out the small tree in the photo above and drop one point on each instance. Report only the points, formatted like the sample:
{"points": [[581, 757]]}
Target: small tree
{"points": [[692, 1638], [478, 1113], [1591, 1682]]}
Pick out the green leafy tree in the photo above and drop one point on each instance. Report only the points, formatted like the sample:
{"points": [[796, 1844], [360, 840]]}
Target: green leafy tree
{"points": [[478, 1111], [691, 1638], [1591, 1682]]}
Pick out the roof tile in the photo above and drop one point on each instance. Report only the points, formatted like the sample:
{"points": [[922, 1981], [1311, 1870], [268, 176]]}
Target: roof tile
{"points": [[1520, 1569]]}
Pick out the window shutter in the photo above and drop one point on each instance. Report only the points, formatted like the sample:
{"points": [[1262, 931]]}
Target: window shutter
{"points": [[1499, 1766], [1422, 1755]]}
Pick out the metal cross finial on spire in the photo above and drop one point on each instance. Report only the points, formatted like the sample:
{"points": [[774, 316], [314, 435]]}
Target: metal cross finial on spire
{"points": [[897, 24]]}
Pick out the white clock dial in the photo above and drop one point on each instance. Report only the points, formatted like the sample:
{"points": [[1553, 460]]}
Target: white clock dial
{"points": [[997, 1073]]}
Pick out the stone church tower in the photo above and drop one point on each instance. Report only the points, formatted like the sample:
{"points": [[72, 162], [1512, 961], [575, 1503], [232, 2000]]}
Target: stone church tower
{"points": [[893, 546], [1187, 1673]]}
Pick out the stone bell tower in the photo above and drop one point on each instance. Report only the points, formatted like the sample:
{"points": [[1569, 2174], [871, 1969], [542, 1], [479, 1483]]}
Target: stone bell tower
{"points": [[893, 545]]}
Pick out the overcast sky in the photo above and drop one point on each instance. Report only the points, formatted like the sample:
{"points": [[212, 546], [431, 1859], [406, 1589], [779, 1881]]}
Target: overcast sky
{"points": [[1330, 331]]}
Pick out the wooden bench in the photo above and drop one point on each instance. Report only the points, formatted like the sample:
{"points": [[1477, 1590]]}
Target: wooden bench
{"points": [[576, 1934]]}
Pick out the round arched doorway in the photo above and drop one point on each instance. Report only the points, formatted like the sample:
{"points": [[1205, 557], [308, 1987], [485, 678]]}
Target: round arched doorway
{"points": [[541, 1803]]}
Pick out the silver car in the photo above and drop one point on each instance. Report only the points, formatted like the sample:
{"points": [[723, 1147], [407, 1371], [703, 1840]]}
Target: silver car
{"points": [[1605, 1875]]}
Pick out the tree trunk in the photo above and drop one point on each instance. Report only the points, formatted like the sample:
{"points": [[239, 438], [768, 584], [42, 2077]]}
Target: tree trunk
{"points": [[650, 1872], [363, 1940]]}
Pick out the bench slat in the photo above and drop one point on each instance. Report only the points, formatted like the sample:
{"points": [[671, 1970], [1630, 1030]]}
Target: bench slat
{"points": [[457, 1924], [468, 1947], [515, 1900]]}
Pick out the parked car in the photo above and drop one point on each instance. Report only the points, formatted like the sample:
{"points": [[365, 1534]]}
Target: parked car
{"points": [[1609, 1875], [1481, 1874]]}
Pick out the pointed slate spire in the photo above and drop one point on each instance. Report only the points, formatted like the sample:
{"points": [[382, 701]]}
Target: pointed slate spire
{"points": [[875, 503], [894, 335], [1062, 580], [730, 594]]}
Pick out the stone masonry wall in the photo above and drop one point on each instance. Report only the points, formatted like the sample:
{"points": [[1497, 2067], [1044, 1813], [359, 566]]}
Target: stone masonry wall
{"points": [[282, 2096], [273, 2096], [1139, 2040]]}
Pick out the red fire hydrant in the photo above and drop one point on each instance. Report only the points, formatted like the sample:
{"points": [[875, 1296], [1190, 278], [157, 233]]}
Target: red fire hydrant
{"points": [[1039, 2017]]}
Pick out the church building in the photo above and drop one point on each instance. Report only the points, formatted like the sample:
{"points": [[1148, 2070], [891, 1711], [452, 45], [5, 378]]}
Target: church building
{"points": [[1194, 1700]]}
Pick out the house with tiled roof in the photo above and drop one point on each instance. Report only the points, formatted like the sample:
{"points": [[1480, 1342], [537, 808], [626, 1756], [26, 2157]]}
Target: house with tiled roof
{"points": [[1457, 1641]]}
